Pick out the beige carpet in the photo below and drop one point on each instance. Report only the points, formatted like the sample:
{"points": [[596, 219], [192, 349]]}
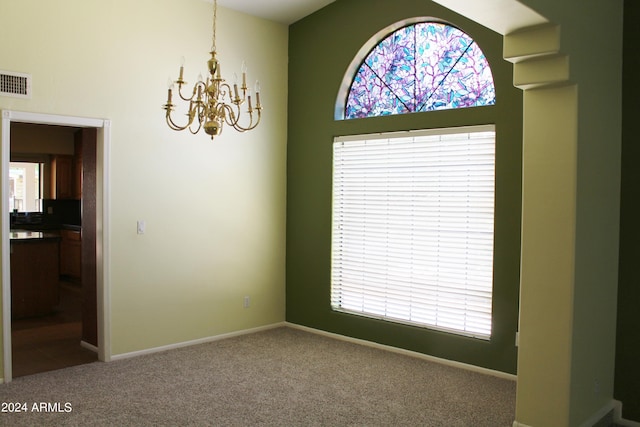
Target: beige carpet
{"points": [[280, 377]]}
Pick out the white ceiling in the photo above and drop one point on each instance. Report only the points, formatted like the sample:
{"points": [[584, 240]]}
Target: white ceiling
{"points": [[502, 16], [284, 11]]}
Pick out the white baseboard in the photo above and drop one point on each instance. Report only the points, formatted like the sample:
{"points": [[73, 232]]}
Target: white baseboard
{"points": [[627, 423], [423, 356], [195, 342], [614, 406], [447, 362], [617, 416], [599, 415], [88, 346]]}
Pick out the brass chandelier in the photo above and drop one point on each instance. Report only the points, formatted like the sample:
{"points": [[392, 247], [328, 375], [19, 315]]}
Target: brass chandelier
{"points": [[213, 102]]}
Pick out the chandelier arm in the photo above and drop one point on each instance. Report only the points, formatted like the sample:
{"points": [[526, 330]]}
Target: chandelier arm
{"points": [[197, 130], [225, 92], [233, 116], [237, 99], [254, 125], [235, 122], [194, 111], [190, 114], [222, 111], [173, 125], [199, 84], [181, 95], [202, 113], [184, 98], [250, 126]]}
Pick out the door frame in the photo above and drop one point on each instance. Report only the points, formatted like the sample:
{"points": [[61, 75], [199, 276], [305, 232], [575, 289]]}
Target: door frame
{"points": [[103, 128]]}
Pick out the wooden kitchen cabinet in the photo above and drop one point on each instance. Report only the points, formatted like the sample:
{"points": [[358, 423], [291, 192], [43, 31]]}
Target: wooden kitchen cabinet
{"points": [[71, 254], [77, 166], [66, 173], [62, 186], [34, 277]]}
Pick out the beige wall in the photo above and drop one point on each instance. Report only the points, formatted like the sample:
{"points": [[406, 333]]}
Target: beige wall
{"points": [[571, 199], [592, 187], [214, 210], [592, 38], [547, 277]]}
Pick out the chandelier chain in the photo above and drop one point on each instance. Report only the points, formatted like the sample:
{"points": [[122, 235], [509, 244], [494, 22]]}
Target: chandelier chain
{"points": [[215, 16]]}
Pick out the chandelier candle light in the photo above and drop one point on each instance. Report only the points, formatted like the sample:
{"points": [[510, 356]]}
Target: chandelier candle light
{"points": [[213, 102]]}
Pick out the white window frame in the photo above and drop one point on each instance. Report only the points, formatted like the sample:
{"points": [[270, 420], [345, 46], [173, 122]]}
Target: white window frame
{"points": [[30, 190], [413, 228]]}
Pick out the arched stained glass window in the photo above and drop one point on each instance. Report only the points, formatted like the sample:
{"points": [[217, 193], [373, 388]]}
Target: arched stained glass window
{"points": [[421, 67]]}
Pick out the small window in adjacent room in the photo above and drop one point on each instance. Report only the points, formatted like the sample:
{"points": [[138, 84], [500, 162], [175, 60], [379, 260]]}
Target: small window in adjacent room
{"points": [[25, 186], [412, 228]]}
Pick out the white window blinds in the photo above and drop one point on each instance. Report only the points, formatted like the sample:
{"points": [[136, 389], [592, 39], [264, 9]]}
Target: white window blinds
{"points": [[412, 236]]}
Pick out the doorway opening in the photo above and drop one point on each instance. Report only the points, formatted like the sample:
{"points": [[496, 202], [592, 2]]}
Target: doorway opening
{"points": [[65, 323]]}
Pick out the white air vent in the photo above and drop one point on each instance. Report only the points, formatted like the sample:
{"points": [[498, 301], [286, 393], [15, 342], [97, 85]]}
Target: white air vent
{"points": [[15, 84]]}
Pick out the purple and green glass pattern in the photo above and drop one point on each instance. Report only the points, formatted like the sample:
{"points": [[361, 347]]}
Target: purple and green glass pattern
{"points": [[421, 67]]}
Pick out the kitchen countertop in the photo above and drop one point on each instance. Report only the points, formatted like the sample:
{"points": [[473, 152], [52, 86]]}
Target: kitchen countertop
{"points": [[71, 227], [27, 235]]}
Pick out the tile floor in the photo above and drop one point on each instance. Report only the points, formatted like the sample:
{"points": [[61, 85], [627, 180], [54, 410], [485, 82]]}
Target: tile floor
{"points": [[51, 342]]}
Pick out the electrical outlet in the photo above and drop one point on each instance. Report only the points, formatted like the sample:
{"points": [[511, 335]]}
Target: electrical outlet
{"points": [[142, 227], [246, 302], [596, 387]]}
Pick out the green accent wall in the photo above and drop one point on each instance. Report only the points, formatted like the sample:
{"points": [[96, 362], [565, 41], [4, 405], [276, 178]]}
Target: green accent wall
{"points": [[627, 376], [321, 48]]}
